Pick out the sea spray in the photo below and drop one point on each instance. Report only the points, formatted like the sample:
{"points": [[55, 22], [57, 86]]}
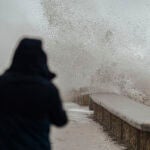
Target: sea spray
{"points": [[102, 39]]}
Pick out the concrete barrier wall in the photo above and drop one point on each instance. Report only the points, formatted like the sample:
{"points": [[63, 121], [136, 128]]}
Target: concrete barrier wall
{"points": [[119, 129], [133, 138], [83, 100]]}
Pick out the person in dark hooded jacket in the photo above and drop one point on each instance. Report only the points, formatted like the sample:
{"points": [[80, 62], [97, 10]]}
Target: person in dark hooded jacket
{"points": [[29, 101]]}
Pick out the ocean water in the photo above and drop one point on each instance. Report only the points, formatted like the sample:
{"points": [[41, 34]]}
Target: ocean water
{"points": [[101, 43]]}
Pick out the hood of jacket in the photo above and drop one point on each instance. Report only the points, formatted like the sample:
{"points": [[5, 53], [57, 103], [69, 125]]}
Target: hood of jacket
{"points": [[30, 59]]}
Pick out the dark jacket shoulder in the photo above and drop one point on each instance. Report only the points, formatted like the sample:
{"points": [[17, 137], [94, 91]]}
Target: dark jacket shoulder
{"points": [[31, 96]]}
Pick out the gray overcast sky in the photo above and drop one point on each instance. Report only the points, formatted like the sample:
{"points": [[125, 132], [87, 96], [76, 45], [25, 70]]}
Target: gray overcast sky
{"points": [[17, 18]]}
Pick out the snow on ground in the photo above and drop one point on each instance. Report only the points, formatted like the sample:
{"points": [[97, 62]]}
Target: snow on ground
{"points": [[82, 133]]}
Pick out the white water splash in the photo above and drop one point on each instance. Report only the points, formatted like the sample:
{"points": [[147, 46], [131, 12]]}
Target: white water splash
{"points": [[99, 43], [114, 36]]}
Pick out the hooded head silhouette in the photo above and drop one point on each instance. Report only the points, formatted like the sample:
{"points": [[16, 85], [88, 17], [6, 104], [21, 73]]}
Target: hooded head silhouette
{"points": [[30, 59]]}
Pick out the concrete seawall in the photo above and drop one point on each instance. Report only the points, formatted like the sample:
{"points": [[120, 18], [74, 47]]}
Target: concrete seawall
{"points": [[133, 132]]}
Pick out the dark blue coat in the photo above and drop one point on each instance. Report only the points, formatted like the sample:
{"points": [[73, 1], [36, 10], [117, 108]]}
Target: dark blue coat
{"points": [[29, 101]]}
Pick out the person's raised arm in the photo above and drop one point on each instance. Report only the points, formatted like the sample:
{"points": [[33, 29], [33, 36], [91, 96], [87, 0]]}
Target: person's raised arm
{"points": [[57, 114]]}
